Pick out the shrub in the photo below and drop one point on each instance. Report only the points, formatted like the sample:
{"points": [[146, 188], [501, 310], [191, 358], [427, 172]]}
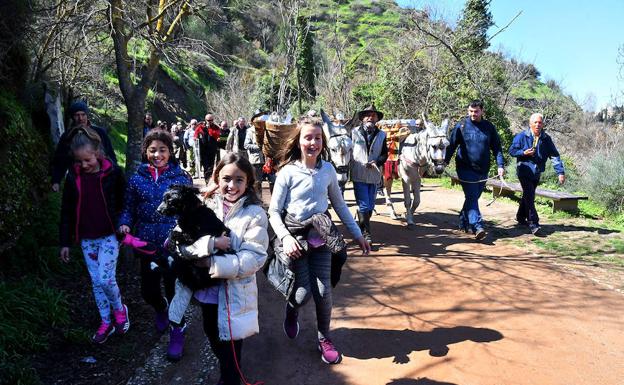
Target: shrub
{"points": [[23, 175], [604, 179]]}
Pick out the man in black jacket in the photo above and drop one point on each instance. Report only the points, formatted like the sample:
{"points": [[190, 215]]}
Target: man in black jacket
{"points": [[79, 112]]}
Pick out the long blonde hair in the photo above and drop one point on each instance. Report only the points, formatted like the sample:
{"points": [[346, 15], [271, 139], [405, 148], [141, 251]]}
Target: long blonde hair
{"points": [[291, 151]]}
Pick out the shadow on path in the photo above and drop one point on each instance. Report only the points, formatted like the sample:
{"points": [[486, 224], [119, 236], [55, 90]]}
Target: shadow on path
{"points": [[377, 343], [420, 381]]}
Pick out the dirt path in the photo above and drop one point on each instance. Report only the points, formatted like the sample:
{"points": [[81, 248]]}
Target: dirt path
{"points": [[432, 306]]}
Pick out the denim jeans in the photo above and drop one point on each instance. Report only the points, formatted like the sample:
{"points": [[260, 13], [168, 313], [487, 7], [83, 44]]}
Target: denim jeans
{"points": [[470, 215], [365, 195]]}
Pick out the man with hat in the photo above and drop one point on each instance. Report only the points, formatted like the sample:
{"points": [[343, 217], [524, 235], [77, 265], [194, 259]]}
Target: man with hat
{"points": [[62, 160], [254, 149], [370, 152]]}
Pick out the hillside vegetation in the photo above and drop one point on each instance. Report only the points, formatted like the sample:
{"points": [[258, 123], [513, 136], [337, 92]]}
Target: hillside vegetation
{"points": [[231, 58]]}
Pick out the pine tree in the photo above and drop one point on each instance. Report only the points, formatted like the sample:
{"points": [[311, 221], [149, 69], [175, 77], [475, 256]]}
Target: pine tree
{"points": [[305, 60], [473, 26]]}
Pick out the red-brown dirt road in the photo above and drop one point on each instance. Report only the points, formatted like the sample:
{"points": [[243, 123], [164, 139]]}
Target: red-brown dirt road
{"points": [[432, 306]]}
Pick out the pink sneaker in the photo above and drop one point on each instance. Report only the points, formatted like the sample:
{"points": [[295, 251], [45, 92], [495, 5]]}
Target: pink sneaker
{"points": [[122, 321], [329, 354], [105, 330]]}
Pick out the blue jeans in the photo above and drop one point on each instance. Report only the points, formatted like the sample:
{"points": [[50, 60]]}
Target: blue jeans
{"points": [[470, 215], [365, 194]]}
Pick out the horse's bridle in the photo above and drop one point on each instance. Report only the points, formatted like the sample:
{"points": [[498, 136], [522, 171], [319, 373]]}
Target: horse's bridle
{"points": [[341, 169]]}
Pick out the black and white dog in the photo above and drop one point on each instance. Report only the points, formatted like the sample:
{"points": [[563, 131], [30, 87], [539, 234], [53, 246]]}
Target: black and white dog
{"points": [[194, 220]]}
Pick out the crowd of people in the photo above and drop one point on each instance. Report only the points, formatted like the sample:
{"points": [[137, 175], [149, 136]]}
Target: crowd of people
{"points": [[101, 209]]}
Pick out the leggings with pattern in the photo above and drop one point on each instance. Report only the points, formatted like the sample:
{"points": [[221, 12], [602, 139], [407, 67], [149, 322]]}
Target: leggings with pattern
{"points": [[312, 280], [101, 259]]}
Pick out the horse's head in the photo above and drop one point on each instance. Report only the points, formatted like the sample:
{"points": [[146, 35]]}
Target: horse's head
{"points": [[436, 144], [339, 144], [340, 147]]}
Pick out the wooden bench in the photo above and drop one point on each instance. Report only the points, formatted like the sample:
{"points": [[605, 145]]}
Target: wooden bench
{"points": [[562, 201]]}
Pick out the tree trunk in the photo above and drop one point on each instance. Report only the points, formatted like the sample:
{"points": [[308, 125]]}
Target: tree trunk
{"points": [[135, 133]]}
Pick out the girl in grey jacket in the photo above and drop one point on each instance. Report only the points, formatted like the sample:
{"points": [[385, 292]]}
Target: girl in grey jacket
{"points": [[302, 188]]}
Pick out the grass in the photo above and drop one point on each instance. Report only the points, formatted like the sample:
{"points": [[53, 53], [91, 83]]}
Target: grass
{"points": [[31, 309], [593, 235]]}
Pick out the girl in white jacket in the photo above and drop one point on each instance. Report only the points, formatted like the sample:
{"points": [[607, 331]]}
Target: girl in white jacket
{"points": [[230, 310]]}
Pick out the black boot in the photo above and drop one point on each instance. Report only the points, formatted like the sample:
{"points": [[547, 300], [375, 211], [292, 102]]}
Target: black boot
{"points": [[361, 218], [364, 223], [367, 230]]}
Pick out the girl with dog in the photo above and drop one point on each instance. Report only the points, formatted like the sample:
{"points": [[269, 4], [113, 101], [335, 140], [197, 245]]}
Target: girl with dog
{"points": [[92, 199], [144, 193], [303, 185], [230, 309]]}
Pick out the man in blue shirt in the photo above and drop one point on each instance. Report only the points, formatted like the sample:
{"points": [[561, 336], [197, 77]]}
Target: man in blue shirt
{"points": [[532, 148], [474, 137]]}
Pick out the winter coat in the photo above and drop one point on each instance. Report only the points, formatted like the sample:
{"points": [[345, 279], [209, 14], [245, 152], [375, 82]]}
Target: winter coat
{"points": [[143, 195], [112, 185], [254, 151], [63, 160], [531, 167], [250, 240], [474, 141], [364, 152]]}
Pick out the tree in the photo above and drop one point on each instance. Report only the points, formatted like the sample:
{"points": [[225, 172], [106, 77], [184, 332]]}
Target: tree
{"points": [[66, 36], [158, 22], [472, 28], [305, 61], [289, 12]]}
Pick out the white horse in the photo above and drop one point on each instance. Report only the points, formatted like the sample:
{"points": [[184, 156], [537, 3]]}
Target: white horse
{"points": [[340, 148], [422, 152]]}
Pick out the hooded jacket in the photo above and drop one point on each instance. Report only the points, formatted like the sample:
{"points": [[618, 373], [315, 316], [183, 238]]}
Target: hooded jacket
{"points": [[112, 185], [143, 195], [250, 240]]}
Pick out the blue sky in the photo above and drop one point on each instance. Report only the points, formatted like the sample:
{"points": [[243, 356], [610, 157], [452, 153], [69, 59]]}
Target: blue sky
{"points": [[572, 42]]}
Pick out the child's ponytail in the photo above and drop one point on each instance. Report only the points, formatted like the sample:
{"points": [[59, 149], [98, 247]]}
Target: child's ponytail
{"points": [[84, 136]]}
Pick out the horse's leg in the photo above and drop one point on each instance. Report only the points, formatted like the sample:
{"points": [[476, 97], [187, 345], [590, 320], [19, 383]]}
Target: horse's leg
{"points": [[388, 186], [416, 184], [407, 200]]}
